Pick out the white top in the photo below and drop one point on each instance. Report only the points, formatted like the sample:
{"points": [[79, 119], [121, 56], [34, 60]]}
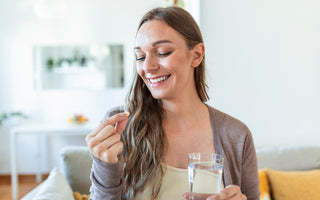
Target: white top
{"points": [[175, 184]]}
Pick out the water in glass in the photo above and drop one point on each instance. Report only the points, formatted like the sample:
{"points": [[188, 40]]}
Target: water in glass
{"points": [[204, 179]]}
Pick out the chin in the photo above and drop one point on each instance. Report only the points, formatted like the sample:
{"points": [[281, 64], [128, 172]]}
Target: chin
{"points": [[157, 95]]}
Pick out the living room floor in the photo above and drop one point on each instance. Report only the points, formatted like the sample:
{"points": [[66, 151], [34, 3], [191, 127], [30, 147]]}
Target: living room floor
{"points": [[26, 184]]}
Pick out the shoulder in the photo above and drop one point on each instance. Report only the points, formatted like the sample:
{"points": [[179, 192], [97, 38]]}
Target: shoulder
{"points": [[230, 129], [227, 122]]}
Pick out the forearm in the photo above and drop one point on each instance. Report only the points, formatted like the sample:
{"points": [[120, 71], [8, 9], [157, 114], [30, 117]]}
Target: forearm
{"points": [[106, 179]]}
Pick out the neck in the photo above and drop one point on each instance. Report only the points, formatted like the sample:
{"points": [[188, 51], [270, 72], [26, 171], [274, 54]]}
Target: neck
{"points": [[181, 110]]}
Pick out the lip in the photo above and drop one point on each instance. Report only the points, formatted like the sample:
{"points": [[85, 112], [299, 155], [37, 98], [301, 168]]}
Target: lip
{"points": [[158, 80]]}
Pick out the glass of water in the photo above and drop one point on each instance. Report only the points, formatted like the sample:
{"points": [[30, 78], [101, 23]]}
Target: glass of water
{"points": [[205, 174]]}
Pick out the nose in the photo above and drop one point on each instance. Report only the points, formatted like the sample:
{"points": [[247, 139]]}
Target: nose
{"points": [[150, 63]]}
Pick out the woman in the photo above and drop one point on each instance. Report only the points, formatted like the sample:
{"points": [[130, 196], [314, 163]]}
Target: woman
{"points": [[142, 156]]}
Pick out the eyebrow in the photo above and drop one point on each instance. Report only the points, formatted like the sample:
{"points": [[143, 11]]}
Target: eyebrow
{"points": [[156, 43]]}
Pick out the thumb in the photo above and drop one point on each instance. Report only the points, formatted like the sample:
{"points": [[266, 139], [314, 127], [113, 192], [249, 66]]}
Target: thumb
{"points": [[121, 125]]}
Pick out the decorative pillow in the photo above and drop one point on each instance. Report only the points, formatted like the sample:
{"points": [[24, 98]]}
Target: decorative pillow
{"points": [[264, 185], [55, 188], [288, 185], [78, 196]]}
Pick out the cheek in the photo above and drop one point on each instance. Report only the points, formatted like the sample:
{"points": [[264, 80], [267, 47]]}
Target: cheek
{"points": [[141, 73], [170, 62], [177, 62]]}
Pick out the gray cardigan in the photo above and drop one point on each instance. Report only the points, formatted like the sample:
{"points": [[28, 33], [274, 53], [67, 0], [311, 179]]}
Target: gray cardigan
{"points": [[232, 139]]}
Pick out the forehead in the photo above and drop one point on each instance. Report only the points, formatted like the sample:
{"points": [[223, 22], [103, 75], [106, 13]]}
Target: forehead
{"points": [[156, 30]]}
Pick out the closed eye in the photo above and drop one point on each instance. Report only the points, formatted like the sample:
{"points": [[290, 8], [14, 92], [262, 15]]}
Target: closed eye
{"points": [[140, 58], [165, 54]]}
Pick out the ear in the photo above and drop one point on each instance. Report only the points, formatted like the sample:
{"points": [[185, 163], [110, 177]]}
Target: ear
{"points": [[198, 53]]}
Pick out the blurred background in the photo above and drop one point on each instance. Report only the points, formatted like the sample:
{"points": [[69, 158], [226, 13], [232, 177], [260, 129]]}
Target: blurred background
{"points": [[61, 59]]}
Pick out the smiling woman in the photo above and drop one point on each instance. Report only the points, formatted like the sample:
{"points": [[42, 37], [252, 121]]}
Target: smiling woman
{"points": [[143, 151], [164, 61], [171, 44]]}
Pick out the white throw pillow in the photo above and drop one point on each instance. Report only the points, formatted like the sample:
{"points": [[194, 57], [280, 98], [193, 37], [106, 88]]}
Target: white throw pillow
{"points": [[55, 187]]}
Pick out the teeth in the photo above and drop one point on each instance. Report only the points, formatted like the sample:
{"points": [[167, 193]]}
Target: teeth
{"points": [[157, 80]]}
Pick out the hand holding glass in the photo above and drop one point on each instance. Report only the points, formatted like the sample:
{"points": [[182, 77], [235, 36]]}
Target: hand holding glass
{"points": [[205, 174]]}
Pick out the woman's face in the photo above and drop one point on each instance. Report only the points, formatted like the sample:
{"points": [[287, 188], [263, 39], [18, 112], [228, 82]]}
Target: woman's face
{"points": [[163, 60]]}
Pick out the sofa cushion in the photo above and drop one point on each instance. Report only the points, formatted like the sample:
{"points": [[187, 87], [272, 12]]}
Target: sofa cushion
{"points": [[54, 188], [264, 185], [76, 165], [287, 185], [78, 196], [289, 158]]}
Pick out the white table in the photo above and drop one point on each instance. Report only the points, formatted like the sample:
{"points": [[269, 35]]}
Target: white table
{"points": [[63, 129]]}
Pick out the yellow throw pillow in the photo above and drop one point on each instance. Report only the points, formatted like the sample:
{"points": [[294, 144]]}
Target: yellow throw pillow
{"points": [[294, 185], [264, 185], [78, 196]]}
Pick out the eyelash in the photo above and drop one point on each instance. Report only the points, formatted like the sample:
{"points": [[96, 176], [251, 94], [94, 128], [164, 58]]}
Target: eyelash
{"points": [[140, 59], [165, 54], [160, 54]]}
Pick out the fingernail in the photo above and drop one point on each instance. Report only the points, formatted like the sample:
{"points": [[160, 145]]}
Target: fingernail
{"points": [[125, 114]]}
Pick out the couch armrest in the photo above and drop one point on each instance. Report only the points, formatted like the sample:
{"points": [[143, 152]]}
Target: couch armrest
{"points": [[76, 165]]}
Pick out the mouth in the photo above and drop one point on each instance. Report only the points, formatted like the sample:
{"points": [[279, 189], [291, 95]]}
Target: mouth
{"points": [[158, 79]]}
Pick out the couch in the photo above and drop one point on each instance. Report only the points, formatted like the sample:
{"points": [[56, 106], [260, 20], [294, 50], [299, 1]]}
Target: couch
{"points": [[76, 164]]}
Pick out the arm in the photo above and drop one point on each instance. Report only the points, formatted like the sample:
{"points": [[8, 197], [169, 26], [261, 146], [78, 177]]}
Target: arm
{"points": [[106, 179], [249, 179], [249, 189], [249, 174], [106, 152]]}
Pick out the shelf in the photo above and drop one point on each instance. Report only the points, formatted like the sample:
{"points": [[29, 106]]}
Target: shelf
{"points": [[74, 70]]}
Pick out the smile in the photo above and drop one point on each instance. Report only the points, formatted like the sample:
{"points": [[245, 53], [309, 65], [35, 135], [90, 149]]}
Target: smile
{"points": [[159, 79]]}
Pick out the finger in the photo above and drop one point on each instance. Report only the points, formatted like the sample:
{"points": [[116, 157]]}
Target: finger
{"points": [[111, 155], [106, 144], [105, 133], [197, 196], [121, 125], [229, 192], [186, 195], [110, 121]]}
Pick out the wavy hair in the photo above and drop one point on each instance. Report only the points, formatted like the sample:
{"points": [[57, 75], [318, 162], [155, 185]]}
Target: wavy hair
{"points": [[144, 139]]}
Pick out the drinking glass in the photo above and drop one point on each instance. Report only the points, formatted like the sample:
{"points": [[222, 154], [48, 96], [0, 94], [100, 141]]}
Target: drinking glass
{"points": [[205, 174]]}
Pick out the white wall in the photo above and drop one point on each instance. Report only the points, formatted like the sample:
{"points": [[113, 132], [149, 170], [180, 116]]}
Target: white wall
{"points": [[263, 59], [82, 22], [85, 22]]}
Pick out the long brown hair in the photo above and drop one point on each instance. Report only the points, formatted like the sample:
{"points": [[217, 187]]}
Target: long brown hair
{"points": [[144, 139]]}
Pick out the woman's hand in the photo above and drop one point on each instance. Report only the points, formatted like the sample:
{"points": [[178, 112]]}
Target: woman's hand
{"points": [[231, 192], [104, 142]]}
